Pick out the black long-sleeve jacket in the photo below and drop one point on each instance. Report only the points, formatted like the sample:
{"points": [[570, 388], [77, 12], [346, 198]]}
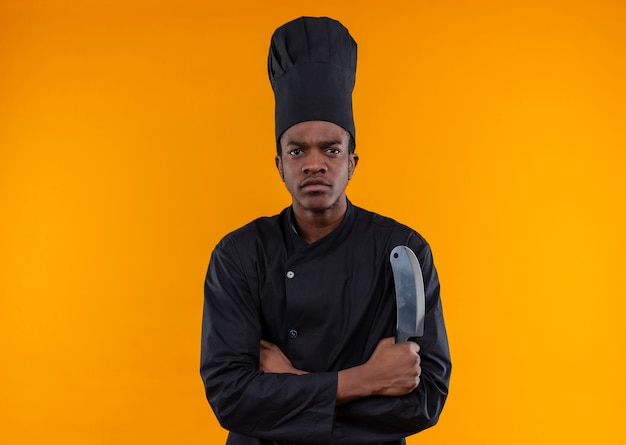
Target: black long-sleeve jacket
{"points": [[326, 305]]}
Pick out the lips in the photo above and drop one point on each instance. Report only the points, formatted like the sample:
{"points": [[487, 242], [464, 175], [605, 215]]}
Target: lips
{"points": [[314, 184]]}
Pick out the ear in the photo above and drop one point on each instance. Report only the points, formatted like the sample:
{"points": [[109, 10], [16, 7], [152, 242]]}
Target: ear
{"points": [[352, 162], [279, 166]]}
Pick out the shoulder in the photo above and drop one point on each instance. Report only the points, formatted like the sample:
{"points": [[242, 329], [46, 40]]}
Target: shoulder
{"points": [[263, 230], [386, 233], [367, 221]]}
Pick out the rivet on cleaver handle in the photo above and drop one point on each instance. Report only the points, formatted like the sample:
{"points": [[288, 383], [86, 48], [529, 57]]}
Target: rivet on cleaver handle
{"points": [[410, 300]]}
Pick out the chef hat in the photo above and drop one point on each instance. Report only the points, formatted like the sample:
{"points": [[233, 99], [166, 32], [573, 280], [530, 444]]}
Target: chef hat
{"points": [[312, 67]]}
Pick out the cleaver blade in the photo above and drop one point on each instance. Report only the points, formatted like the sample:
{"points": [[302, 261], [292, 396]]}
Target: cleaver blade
{"points": [[410, 299]]}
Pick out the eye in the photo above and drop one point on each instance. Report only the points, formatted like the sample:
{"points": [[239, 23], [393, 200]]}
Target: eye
{"points": [[333, 151], [295, 152]]}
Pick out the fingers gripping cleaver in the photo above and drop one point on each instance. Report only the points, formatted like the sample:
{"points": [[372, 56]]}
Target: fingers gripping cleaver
{"points": [[410, 300]]}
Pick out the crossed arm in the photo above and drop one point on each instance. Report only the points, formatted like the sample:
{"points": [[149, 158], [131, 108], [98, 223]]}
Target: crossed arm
{"points": [[256, 391], [392, 370]]}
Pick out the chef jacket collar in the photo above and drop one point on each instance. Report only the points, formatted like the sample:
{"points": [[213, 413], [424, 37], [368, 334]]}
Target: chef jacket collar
{"points": [[296, 245]]}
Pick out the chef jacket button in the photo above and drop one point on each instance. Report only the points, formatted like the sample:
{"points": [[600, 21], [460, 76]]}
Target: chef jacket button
{"points": [[293, 334], [290, 274]]}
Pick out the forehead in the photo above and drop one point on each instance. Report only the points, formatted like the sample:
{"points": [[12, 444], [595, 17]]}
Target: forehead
{"points": [[313, 132]]}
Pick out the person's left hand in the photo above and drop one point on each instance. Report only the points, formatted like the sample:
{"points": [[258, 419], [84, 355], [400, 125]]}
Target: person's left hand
{"points": [[272, 359]]}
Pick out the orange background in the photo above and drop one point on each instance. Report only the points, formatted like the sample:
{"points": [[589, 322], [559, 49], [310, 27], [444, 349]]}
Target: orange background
{"points": [[134, 135]]}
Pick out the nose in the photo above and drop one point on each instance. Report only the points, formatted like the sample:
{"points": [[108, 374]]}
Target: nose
{"points": [[314, 162]]}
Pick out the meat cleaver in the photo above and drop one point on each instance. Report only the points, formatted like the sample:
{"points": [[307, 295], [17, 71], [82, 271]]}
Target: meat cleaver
{"points": [[410, 300]]}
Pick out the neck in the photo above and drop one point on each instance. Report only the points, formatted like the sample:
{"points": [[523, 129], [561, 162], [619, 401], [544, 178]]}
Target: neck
{"points": [[313, 225]]}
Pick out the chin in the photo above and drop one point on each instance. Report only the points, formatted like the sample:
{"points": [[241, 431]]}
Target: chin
{"points": [[317, 205]]}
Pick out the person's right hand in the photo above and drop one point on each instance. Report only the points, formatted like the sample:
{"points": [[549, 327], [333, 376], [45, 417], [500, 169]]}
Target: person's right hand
{"points": [[394, 368]]}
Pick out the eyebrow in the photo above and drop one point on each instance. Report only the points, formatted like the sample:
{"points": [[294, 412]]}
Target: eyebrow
{"points": [[323, 144]]}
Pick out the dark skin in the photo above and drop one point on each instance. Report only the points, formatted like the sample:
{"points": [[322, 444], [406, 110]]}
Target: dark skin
{"points": [[315, 164]]}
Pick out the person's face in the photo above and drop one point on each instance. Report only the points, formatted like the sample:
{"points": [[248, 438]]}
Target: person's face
{"points": [[315, 164]]}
